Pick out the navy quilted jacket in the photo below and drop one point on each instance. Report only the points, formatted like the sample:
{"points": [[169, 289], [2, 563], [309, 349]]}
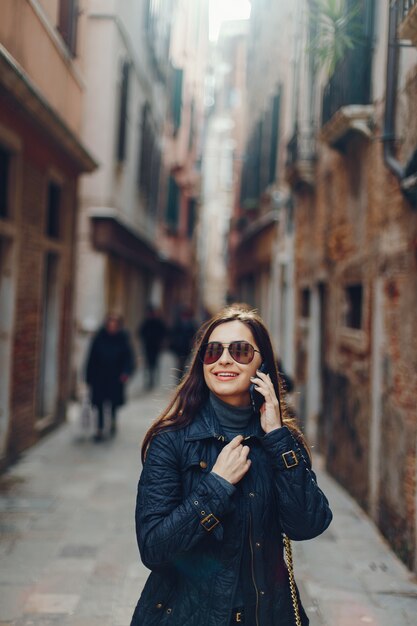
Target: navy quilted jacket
{"points": [[196, 537]]}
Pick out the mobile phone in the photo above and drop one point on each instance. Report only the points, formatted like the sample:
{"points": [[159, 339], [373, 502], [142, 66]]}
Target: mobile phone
{"points": [[256, 398]]}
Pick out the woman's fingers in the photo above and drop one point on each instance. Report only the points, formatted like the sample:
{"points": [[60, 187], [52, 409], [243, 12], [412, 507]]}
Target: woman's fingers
{"points": [[264, 380], [236, 441], [270, 410], [232, 462], [264, 385], [245, 451]]}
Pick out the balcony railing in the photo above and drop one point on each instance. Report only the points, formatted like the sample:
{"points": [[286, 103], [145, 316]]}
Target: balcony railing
{"points": [[407, 20], [351, 82], [405, 7]]}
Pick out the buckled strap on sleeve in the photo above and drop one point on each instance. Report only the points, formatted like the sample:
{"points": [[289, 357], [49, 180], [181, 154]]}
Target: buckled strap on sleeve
{"points": [[207, 519], [289, 459]]}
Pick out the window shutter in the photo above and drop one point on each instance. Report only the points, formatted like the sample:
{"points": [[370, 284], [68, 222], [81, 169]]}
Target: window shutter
{"points": [[124, 93]]}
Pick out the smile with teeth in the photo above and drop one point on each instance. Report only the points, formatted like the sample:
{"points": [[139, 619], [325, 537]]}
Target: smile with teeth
{"points": [[226, 374]]}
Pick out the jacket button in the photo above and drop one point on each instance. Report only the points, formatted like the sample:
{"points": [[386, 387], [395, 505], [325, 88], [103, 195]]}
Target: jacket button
{"points": [[203, 464], [159, 605], [257, 544], [262, 593], [251, 494]]}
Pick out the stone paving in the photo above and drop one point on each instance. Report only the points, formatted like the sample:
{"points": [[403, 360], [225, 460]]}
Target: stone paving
{"points": [[68, 552]]}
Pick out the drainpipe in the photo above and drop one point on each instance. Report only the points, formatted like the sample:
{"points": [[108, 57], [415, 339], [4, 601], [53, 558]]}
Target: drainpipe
{"points": [[388, 137]]}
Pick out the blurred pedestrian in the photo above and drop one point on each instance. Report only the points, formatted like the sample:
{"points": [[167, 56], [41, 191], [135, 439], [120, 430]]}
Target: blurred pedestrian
{"points": [[224, 487], [182, 338], [152, 333], [110, 363]]}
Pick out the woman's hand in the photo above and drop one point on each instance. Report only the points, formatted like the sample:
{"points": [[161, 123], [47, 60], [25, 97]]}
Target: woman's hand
{"points": [[270, 413], [232, 462]]}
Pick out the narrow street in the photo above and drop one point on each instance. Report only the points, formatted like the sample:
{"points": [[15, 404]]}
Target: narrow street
{"points": [[68, 553]]}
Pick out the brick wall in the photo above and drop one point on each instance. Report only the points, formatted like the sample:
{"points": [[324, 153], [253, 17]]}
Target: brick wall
{"points": [[356, 227], [39, 160]]}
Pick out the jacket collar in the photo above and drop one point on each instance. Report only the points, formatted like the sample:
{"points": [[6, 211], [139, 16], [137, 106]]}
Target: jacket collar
{"points": [[206, 426]]}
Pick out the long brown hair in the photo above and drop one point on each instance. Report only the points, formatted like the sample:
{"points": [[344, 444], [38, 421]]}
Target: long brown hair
{"points": [[192, 392]]}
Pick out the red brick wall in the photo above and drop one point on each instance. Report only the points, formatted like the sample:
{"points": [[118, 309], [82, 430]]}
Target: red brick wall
{"points": [[38, 158], [357, 226]]}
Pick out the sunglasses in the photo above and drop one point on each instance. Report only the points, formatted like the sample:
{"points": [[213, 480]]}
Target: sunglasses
{"points": [[241, 351]]}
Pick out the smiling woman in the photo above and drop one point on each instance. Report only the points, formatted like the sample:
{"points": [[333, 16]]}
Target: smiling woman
{"points": [[229, 375], [226, 10], [216, 493]]}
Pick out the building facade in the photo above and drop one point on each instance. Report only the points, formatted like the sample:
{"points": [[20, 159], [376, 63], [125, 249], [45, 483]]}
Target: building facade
{"points": [[262, 238], [182, 160], [42, 156], [223, 149], [138, 209], [356, 266], [127, 72], [336, 276]]}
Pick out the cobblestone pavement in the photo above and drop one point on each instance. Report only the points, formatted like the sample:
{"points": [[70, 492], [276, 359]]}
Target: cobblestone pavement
{"points": [[68, 552]]}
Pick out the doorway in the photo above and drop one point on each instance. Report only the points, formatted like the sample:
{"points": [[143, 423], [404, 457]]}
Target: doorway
{"points": [[7, 302], [49, 366]]}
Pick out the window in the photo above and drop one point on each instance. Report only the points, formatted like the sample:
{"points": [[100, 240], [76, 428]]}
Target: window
{"points": [[145, 152], [53, 210], [191, 135], [353, 306], [276, 108], [67, 24], [192, 214], [251, 184], [176, 104], [173, 204], [305, 303], [155, 174], [5, 158], [123, 102], [158, 18]]}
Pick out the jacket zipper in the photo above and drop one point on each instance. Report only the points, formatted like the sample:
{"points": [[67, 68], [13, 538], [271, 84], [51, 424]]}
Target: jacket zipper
{"points": [[253, 571]]}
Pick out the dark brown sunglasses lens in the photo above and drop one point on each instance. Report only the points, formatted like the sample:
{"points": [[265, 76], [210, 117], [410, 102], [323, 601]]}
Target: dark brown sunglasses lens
{"points": [[213, 353], [241, 351]]}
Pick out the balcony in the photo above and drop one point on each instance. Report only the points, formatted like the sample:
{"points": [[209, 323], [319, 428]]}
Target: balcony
{"points": [[301, 159], [407, 20], [347, 95], [348, 120]]}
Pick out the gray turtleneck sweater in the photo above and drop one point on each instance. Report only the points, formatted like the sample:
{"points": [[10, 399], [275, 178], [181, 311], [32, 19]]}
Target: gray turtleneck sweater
{"points": [[234, 421]]}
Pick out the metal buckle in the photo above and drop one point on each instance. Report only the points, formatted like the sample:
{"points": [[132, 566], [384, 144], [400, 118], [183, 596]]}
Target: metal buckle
{"points": [[288, 463], [207, 522], [239, 616]]}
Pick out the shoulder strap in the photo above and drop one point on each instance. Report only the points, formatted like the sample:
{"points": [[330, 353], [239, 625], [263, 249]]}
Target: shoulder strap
{"points": [[290, 567]]}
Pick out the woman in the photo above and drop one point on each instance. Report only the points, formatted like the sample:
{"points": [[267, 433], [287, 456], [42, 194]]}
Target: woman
{"points": [[110, 363], [219, 486]]}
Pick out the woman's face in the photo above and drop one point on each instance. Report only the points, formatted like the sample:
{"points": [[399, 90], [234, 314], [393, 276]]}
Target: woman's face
{"points": [[226, 378]]}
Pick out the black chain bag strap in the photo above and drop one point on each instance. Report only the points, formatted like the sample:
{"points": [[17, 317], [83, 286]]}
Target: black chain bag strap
{"points": [[290, 567]]}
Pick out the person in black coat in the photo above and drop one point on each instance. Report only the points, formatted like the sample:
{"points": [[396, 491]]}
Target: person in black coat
{"points": [[110, 362], [182, 339], [225, 485], [152, 333]]}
